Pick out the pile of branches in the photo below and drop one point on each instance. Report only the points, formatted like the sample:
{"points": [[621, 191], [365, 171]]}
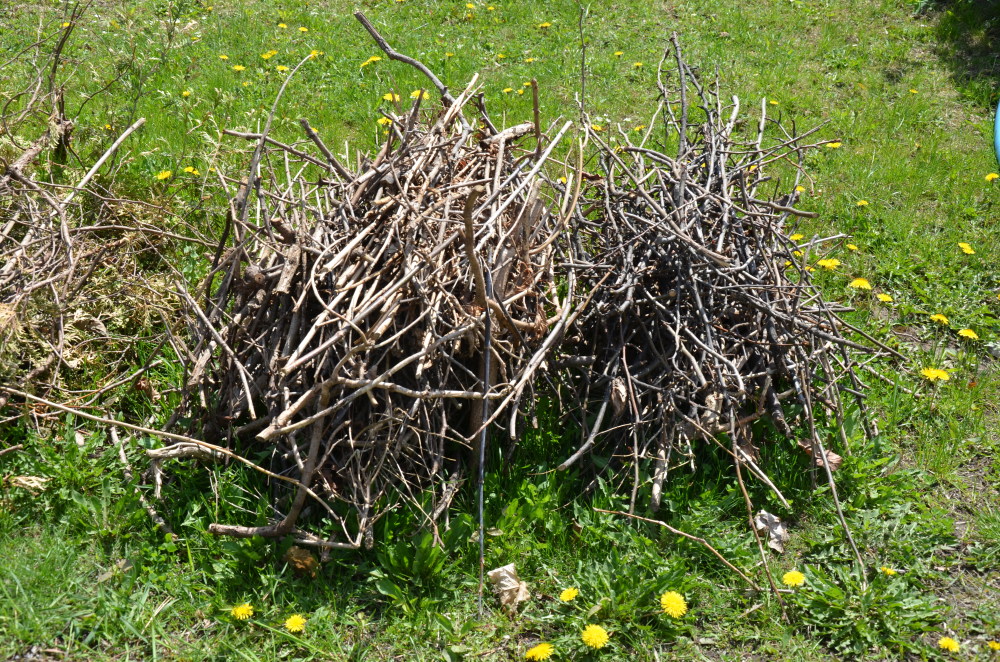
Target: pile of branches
{"points": [[704, 317], [364, 327], [364, 323], [82, 270]]}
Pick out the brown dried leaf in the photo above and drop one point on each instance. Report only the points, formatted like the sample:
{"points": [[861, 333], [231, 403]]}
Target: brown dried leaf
{"points": [[832, 458], [508, 587], [618, 395], [302, 561], [777, 534]]}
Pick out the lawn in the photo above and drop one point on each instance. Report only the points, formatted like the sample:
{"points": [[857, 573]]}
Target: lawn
{"points": [[904, 92]]}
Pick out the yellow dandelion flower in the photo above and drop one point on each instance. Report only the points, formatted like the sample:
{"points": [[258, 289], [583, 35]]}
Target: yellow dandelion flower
{"points": [[934, 374], [860, 284], [66, 24], [164, 174], [810, 269], [798, 253], [940, 319], [831, 263], [295, 623], [594, 636], [969, 333], [449, 55], [490, 8], [268, 55], [281, 67], [966, 248], [569, 594], [884, 298], [242, 612], [315, 53], [529, 60], [640, 127], [238, 67], [990, 177], [994, 645], [542, 651], [303, 29], [773, 102], [417, 93], [107, 127], [597, 127], [562, 180], [544, 25], [852, 247], [223, 57], [637, 65], [500, 56], [282, 26], [186, 93], [800, 189], [797, 236], [521, 91], [862, 203], [793, 578], [834, 145], [246, 83], [191, 170], [384, 121], [390, 96], [673, 604], [887, 571], [619, 53], [508, 90], [948, 644]]}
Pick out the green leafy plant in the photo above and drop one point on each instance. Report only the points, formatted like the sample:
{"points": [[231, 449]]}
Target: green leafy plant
{"points": [[858, 618]]}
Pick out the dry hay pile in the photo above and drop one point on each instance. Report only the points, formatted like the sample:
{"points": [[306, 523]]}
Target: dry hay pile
{"points": [[348, 329], [82, 271]]}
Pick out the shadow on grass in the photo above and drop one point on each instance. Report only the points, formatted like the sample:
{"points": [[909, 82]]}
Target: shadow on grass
{"points": [[968, 41]]}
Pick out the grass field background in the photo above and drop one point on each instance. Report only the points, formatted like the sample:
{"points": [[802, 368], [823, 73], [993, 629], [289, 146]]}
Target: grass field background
{"points": [[907, 91]]}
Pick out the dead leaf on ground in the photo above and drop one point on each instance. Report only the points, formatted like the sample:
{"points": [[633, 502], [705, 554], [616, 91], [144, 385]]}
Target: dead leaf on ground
{"points": [[509, 587], [777, 534], [34, 484], [301, 560], [832, 458]]}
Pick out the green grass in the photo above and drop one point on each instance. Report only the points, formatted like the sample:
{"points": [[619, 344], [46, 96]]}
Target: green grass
{"points": [[908, 96]]}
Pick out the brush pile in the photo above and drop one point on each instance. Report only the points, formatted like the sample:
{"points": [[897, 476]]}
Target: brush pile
{"points": [[364, 326], [348, 328], [81, 269], [704, 317]]}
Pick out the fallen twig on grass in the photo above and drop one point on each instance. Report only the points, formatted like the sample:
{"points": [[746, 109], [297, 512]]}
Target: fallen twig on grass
{"points": [[677, 532]]}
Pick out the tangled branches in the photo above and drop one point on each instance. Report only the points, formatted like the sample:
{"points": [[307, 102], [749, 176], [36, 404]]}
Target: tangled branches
{"points": [[362, 326], [710, 319], [347, 330]]}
